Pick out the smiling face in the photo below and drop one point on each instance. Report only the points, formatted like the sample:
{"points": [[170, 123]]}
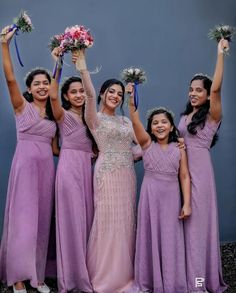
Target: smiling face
{"points": [[39, 87], [197, 94], [75, 94], [112, 97], [161, 127]]}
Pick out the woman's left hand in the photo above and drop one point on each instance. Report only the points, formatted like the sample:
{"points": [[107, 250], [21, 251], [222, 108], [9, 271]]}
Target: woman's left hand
{"points": [[181, 144]]}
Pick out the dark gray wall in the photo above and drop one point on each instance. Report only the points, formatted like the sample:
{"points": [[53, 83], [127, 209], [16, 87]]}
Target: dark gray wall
{"points": [[168, 38]]}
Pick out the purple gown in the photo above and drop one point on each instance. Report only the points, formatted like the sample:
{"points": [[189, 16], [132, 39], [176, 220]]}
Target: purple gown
{"points": [[160, 253], [29, 200], [74, 204], [201, 230]]}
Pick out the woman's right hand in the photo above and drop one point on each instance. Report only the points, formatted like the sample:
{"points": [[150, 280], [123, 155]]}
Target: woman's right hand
{"points": [[78, 58], [56, 53], [7, 34], [129, 89], [223, 46]]}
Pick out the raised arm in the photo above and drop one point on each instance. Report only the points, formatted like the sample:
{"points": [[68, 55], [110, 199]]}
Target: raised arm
{"points": [[17, 99], [57, 109], [142, 136], [185, 184], [215, 95], [78, 57]]}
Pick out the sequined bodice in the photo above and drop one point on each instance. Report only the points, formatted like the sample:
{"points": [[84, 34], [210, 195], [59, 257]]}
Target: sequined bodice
{"points": [[114, 136]]}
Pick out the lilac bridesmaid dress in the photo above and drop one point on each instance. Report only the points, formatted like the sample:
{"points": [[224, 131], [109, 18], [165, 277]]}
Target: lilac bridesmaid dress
{"points": [[29, 200], [201, 230], [74, 204], [160, 253]]}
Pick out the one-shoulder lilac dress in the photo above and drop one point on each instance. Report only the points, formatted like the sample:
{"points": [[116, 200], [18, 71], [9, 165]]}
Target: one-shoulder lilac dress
{"points": [[29, 200]]}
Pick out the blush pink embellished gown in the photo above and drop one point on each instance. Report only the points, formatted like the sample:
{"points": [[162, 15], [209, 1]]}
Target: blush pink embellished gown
{"points": [[110, 255]]}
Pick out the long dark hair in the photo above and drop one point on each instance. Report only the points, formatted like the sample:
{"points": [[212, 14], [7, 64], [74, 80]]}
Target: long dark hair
{"points": [[174, 134], [67, 105], [29, 97], [107, 84], [200, 117]]}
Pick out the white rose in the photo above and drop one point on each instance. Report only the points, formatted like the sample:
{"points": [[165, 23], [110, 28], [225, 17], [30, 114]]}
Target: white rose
{"points": [[86, 43], [225, 27], [137, 71]]}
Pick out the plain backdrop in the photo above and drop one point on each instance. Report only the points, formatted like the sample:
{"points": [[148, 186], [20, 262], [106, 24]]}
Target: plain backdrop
{"points": [[167, 38]]}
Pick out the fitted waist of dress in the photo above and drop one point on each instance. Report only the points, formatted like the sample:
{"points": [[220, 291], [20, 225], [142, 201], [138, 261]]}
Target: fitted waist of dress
{"points": [[121, 155], [126, 153], [76, 146], [33, 137], [198, 147], [161, 175]]}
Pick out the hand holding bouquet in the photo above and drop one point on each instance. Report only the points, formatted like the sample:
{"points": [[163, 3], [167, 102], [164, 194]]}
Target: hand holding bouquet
{"points": [[135, 76], [74, 38], [220, 32], [21, 23]]}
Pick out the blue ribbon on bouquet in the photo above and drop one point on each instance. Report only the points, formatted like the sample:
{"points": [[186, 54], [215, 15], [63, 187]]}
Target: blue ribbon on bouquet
{"points": [[58, 66], [136, 96], [15, 42]]}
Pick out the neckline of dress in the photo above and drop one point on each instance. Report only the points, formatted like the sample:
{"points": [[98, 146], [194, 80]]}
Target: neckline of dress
{"points": [[166, 149], [107, 115], [38, 111], [76, 117]]}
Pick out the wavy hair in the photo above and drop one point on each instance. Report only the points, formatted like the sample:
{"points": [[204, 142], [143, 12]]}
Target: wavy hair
{"points": [[200, 117], [107, 84]]}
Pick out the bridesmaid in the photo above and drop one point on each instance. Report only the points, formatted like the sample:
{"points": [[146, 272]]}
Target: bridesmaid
{"points": [[198, 125], [74, 200], [30, 188], [160, 253], [111, 244]]}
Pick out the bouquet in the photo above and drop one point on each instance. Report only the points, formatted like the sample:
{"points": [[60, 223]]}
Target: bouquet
{"points": [[222, 32], [23, 23], [74, 38], [136, 76]]}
